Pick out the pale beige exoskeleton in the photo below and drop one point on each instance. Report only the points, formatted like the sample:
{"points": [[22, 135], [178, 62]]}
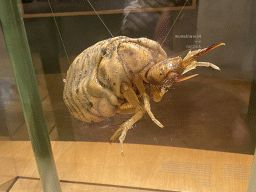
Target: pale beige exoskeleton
{"points": [[110, 77]]}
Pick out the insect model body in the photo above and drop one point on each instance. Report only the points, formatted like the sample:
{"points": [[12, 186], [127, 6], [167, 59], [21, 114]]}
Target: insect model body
{"points": [[119, 75]]}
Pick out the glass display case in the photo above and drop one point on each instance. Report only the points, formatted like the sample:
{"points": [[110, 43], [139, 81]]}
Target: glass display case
{"points": [[208, 137]]}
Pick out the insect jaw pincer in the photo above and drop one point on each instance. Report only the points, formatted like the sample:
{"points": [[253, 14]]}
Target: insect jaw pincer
{"points": [[189, 62]]}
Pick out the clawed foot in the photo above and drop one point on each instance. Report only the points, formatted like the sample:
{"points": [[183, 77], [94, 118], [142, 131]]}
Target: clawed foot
{"points": [[122, 132]]}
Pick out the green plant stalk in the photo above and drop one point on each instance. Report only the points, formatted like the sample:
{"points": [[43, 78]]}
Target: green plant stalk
{"points": [[252, 183], [16, 41]]}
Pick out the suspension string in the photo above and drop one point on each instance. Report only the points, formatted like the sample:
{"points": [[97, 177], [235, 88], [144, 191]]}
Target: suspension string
{"points": [[100, 18], [106, 25], [54, 18], [174, 22]]}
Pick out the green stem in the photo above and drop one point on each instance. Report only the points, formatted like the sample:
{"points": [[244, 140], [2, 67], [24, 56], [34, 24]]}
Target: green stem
{"points": [[252, 181], [16, 41]]}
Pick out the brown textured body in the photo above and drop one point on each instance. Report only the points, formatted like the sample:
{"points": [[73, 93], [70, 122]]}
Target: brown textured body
{"points": [[110, 77], [92, 89]]}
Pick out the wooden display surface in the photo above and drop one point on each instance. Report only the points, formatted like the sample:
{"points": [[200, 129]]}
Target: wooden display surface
{"points": [[148, 167]]}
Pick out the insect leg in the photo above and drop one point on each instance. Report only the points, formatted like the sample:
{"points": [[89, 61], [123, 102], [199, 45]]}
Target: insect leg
{"points": [[195, 64], [206, 64], [157, 93], [126, 108], [139, 84], [126, 126], [191, 53], [132, 98]]}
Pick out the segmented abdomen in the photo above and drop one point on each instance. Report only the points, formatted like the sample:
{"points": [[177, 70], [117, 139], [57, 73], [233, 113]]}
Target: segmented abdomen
{"points": [[87, 98]]}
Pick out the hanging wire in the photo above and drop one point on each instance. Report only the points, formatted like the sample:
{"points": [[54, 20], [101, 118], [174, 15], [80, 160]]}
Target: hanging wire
{"points": [[54, 18], [174, 22], [100, 18], [104, 25]]}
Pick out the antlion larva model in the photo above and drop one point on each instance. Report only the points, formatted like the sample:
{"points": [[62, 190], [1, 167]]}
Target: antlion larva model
{"points": [[117, 75]]}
